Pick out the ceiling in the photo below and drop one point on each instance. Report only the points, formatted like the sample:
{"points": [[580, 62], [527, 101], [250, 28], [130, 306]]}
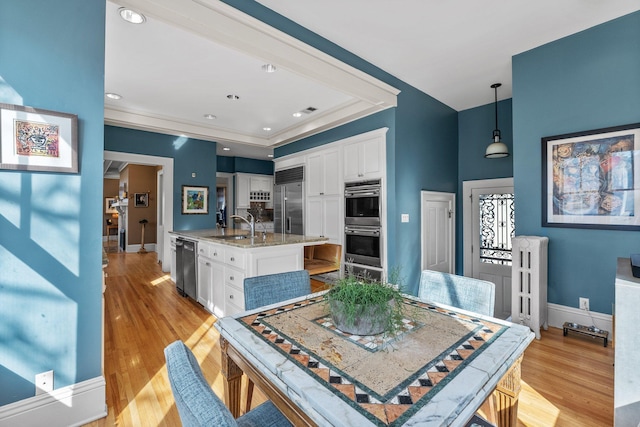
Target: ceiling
{"points": [[190, 54]]}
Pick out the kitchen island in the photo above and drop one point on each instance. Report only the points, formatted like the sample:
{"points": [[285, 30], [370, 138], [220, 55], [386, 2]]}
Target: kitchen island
{"points": [[225, 257]]}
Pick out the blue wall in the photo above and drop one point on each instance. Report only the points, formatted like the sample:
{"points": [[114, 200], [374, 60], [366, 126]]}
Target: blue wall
{"points": [[586, 81], [52, 57], [188, 154], [475, 131]]}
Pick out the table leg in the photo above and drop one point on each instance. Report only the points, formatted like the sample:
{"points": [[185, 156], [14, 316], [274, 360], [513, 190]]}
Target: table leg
{"points": [[232, 379], [506, 396]]}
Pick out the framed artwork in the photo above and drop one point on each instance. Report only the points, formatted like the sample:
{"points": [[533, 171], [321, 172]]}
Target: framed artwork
{"points": [[38, 140], [591, 179], [141, 200], [195, 200], [108, 205]]}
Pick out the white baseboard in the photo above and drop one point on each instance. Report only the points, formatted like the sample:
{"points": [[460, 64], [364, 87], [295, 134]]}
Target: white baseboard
{"points": [[150, 247], [558, 314], [74, 405]]}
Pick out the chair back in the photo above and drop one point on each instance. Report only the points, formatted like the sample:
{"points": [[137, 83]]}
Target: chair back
{"points": [[272, 288], [197, 404], [462, 292]]}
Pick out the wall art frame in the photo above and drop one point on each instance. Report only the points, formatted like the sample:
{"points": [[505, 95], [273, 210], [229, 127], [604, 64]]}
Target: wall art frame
{"points": [[195, 200], [141, 200], [591, 179], [33, 139], [108, 205]]}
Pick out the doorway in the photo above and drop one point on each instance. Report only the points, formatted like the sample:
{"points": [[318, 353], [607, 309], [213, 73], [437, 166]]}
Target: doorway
{"points": [[164, 253], [438, 231], [224, 198], [488, 227]]}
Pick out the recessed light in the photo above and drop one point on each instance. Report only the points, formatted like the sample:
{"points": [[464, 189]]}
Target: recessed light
{"points": [[209, 116], [112, 95], [131, 15], [266, 129], [233, 97], [226, 149], [298, 114], [270, 155], [269, 68]]}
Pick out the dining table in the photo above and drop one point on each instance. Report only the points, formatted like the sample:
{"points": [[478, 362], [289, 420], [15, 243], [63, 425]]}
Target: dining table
{"points": [[438, 369]]}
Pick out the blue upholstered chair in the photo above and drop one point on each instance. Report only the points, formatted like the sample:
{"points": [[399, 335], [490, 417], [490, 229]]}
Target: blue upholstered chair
{"points": [[270, 289], [198, 405], [462, 292]]}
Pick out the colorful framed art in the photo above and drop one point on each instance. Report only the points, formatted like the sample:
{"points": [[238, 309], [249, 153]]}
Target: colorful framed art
{"points": [[32, 139], [195, 200], [591, 179]]}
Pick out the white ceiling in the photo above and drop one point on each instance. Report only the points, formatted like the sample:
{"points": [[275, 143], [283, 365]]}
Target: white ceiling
{"points": [[184, 60]]}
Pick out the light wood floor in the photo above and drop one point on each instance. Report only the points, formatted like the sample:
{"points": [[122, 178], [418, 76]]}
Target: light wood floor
{"points": [[567, 381]]}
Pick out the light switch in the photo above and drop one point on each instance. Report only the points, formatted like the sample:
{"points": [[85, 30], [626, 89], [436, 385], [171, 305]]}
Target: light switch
{"points": [[405, 218], [193, 174]]}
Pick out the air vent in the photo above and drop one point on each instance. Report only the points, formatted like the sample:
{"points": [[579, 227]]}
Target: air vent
{"points": [[287, 176], [309, 110]]}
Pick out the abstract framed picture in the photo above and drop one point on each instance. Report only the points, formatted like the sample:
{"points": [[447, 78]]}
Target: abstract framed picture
{"points": [[141, 200], [108, 205], [195, 200], [591, 179], [32, 139]]}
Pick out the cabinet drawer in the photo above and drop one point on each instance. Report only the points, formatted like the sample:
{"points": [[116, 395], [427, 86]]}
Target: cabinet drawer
{"points": [[204, 249], [233, 296], [216, 253], [233, 277], [234, 258]]}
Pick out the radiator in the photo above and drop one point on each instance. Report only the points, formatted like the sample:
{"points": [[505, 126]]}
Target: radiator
{"points": [[529, 282]]}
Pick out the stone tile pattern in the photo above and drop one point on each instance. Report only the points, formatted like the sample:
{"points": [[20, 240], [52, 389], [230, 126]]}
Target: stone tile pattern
{"points": [[403, 400]]}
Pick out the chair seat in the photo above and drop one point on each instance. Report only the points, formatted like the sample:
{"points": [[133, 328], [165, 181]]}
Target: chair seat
{"points": [[265, 415]]}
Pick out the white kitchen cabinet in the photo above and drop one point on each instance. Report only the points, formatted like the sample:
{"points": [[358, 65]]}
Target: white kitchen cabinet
{"points": [[261, 183], [323, 177], [172, 273], [205, 283], [325, 217], [364, 159], [243, 182], [211, 278]]}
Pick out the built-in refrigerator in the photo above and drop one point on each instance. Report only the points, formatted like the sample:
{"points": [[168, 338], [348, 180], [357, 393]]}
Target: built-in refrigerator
{"points": [[288, 201]]}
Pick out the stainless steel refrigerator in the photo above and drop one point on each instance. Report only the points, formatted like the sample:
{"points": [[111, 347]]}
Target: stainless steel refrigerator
{"points": [[288, 201]]}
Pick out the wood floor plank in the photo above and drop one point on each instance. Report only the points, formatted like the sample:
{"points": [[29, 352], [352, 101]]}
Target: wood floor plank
{"points": [[567, 381]]}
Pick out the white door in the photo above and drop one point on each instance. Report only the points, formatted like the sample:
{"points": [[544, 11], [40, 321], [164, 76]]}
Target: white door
{"points": [[438, 244], [488, 233], [160, 216]]}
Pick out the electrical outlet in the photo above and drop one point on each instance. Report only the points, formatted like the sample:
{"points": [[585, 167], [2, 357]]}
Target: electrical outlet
{"points": [[404, 218], [584, 303], [44, 382]]}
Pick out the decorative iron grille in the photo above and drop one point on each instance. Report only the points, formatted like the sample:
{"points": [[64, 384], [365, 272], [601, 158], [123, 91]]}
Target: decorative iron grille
{"points": [[497, 227]]}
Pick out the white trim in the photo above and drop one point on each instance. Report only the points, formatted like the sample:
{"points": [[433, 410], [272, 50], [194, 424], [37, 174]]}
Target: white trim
{"points": [[229, 27], [167, 167], [558, 314], [150, 247], [441, 197], [467, 239], [74, 405]]}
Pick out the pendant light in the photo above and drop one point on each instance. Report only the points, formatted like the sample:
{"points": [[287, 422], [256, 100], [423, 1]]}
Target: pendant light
{"points": [[497, 148]]}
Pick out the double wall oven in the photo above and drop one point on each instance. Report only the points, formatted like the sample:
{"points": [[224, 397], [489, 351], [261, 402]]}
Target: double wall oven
{"points": [[362, 228]]}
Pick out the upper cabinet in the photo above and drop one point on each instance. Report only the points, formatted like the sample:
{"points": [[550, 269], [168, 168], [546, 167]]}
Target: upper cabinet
{"points": [[243, 182], [323, 173], [253, 188], [364, 159]]}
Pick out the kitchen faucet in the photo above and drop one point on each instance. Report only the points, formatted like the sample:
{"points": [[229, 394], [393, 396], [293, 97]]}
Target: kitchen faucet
{"points": [[252, 223]]}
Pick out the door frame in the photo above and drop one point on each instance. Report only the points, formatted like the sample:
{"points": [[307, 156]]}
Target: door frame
{"points": [[167, 167], [467, 217], [439, 197]]}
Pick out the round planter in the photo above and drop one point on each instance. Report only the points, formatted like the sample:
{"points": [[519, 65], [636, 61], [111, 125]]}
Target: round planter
{"points": [[368, 321]]}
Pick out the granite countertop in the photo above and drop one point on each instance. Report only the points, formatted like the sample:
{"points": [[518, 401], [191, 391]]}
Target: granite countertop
{"points": [[271, 239]]}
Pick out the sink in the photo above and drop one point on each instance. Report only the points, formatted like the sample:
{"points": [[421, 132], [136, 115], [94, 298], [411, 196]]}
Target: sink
{"points": [[231, 237]]}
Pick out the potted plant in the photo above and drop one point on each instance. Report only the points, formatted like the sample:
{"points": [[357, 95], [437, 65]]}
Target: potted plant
{"points": [[363, 306]]}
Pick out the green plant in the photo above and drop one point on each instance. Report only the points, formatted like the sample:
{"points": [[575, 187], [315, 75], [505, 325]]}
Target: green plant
{"points": [[356, 296]]}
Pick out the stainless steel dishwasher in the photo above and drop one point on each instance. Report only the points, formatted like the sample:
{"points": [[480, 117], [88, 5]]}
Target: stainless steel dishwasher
{"points": [[186, 275]]}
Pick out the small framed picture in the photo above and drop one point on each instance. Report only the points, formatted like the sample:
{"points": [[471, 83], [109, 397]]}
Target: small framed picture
{"points": [[108, 205], [141, 200], [32, 139], [195, 200]]}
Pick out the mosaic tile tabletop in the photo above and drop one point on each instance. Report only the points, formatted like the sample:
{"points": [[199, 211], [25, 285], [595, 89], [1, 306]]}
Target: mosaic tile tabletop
{"points": [[387, 379]]}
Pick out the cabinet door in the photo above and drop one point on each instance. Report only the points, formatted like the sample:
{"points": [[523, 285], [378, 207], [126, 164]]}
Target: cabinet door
{"points": [[315, 174], [217, 289], [372, 166], [323, 173], [351, 162], [331, 171], [204, 283], [173, 263], [315, 217], [333, 218], [242, 191]]}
